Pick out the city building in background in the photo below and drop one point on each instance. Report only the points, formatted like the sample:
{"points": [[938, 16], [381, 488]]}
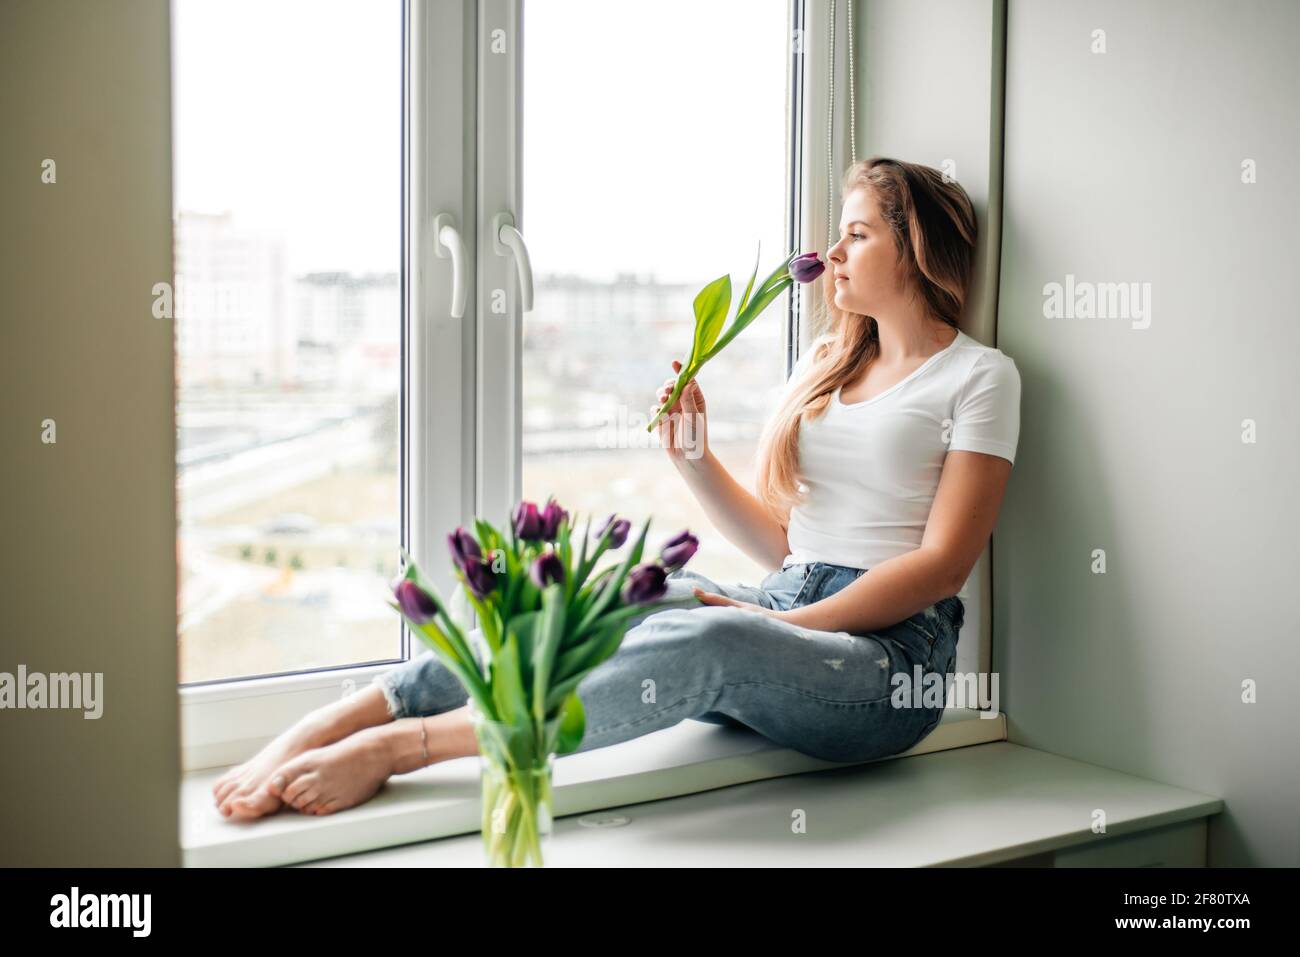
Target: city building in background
{"points": [[289, 320]]}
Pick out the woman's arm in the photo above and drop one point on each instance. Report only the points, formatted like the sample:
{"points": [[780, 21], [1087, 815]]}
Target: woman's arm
{"points": [[961, 519], [734, 511]]}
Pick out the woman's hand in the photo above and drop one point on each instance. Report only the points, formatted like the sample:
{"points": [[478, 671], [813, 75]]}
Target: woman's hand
{"points": [[683, 430], [713, 598]]}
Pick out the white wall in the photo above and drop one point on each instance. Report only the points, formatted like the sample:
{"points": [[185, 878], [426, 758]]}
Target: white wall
{"points": [[88, 575], [1126, 166], [929, 90]]}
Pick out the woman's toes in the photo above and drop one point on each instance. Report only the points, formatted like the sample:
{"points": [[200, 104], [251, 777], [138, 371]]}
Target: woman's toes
{"points": [[302, 788], [292, 773], [231, 774], [254, 805], [296, 784], [307, 800], [225, 790], [277, 785], [220, 783], [227, 805]]}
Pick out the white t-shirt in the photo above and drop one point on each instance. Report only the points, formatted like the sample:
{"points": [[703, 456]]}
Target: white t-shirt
{"points": [[872, 468]]}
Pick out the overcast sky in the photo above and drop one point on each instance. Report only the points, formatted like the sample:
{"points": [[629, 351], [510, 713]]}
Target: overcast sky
{"points": [[654, 134]]}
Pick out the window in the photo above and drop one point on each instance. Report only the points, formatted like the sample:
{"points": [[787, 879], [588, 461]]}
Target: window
{"points": [[333, 404], [288, 153], [642, 183]]}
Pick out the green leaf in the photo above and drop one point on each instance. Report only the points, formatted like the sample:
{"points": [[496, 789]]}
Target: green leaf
{"points": [[487, 535], [611, 636], [582, 602], [581, 568], [507, 683], [745, 298], [562, 689], [510, 596], [467, 674], [526, 631], [711, 306], [782, 271], [573, 725], [574, 558], [511, 743], [549, 633], [777, 275], [748, 310], [632, 611], [576, 664], [450, 632], [433, 636], [602, 545], [489, 621], [752, 312], [564, 548], [612, 585], [599, 577]]}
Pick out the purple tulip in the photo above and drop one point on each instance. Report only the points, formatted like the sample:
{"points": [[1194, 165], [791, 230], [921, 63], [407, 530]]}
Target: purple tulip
{"points": [[416, 603], [480, 577], [677, 551], [619, 527], [645, 583], [547, 569], [464, 548], [552, 516], [807, 267], [527, 522]]}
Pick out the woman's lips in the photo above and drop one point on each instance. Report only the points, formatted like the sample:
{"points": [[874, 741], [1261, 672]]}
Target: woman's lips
{"points": [[839, 278]]}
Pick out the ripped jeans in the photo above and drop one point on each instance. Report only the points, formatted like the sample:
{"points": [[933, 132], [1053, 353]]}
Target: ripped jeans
{"points": [[824, 693]]}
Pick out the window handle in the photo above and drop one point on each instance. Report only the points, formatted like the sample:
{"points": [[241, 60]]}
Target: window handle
{"points": [[505, 240], [450, 242]]}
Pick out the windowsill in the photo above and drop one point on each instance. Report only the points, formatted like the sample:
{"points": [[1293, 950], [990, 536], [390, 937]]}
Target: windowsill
{"points": [[443, 800], [992, 805]]}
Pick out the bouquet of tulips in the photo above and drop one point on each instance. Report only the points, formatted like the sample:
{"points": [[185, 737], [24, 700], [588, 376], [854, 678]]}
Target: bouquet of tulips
{"points": [[714, 302], [546, 618]]}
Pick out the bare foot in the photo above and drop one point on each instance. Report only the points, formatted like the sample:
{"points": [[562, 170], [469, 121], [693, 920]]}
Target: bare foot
{"points": [[338, 776], [240, 792], [244, 791]]}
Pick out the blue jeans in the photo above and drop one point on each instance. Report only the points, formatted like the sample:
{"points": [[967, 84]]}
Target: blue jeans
{"points": [[824, 693]]}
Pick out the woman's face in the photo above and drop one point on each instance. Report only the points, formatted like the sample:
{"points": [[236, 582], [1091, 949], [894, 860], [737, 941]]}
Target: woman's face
{"points": [[865, 262]]}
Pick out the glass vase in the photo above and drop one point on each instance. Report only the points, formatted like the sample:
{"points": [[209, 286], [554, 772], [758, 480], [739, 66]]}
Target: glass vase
{"points": [[518, 802]]}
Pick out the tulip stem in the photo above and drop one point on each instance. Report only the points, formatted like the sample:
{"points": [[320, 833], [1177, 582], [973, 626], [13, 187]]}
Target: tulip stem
{"points": [[747, 311], [742, 320]]}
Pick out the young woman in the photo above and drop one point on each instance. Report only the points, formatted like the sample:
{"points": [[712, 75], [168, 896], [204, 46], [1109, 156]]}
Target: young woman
{"points": [[879, 481]]}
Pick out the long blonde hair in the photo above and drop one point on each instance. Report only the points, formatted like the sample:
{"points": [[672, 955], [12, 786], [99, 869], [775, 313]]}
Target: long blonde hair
{"points": [[934, 228]]}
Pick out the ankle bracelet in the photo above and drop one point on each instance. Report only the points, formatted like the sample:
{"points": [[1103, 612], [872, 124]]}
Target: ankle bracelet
{"points": [[424, 742]]}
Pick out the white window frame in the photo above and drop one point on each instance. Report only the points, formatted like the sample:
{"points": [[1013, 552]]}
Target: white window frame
{"points": [[449, 364], [226, 722], [809, 159]]}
